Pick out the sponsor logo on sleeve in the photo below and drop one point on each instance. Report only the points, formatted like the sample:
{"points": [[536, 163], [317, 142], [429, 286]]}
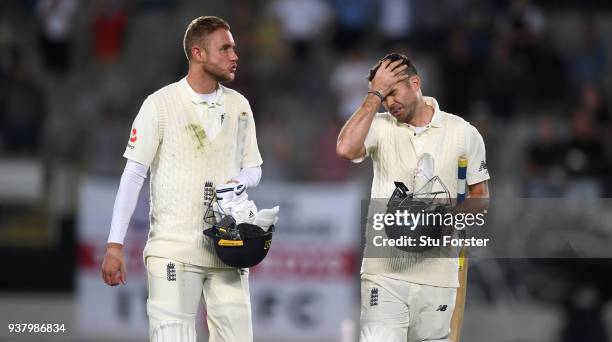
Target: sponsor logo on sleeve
{"points": [[133, 138], [483, 166]]}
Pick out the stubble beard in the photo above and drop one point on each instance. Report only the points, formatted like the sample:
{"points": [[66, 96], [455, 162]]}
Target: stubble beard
{"points": [[410, 111], [217, 75]]}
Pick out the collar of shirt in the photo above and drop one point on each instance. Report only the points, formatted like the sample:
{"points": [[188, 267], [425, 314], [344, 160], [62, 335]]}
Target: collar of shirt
{"points": [[196, 99], [437, 119]]}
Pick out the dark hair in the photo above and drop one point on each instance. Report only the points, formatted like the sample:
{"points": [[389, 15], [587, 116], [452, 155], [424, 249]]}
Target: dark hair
{"points": [[199, 28], [410, 70]]}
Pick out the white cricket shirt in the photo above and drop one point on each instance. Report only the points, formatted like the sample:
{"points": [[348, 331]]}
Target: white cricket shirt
{"points": [[395, 149], [173, 135]]}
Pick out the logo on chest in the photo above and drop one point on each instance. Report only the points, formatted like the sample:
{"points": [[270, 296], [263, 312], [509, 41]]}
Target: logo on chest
{"points": [[198, 133]]}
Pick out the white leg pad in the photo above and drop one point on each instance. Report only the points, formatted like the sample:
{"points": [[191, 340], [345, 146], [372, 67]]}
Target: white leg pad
{"points": [[377, 333], [173, 331]]}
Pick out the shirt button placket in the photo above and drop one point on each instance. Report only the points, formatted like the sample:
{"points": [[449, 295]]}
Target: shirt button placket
{"points": [[418, 143]]}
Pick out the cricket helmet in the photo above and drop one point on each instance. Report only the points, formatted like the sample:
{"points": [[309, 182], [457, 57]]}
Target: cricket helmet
{"points": [[240, 245], [428, 205]]}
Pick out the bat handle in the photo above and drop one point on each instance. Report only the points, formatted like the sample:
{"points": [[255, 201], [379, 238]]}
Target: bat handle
{"points": [[461, 179]]}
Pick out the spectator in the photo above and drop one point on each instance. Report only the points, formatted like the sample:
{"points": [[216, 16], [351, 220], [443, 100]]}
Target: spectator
{"points": [[527, 17], [457, 67], [429, 22], [271, 51], [590, 61], [395, 21], [584, 315], [328, 167], [109, 24], [352, 20], [22, 113], [347, 82], [277, 147], [539, 60], [584, 149], [502, 80], [544, 162], [106, 140], [301, 21], [594, 106], [55, 39]]}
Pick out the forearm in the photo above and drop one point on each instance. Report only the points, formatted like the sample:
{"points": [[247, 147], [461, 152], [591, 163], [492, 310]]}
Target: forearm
{"points": [[132, 179], [477, 201], [249, 176], [352, 136], [473, 206]]}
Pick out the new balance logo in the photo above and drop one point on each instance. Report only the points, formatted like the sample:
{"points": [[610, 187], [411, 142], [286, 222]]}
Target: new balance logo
{"points": [[483, 165], [442, 308], [170, 272], [373, 296]]}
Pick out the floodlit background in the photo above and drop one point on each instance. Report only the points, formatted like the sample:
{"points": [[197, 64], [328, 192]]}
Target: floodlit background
{"points": [[533, 77]]}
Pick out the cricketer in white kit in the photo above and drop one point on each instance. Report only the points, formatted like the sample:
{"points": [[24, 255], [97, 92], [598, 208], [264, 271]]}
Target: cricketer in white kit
{"points": [[404, 298], [188, 133]]}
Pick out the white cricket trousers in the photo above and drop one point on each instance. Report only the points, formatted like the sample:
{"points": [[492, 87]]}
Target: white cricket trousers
{"points": [[176, 290], [394, 310]]}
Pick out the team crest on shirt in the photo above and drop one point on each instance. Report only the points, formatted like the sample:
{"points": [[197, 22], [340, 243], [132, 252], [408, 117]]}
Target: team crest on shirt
{"points": [[170, 272], [133, 138], [373, 296]]}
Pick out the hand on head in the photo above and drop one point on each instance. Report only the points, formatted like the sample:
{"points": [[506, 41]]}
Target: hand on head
{"points": [[389, 74]]}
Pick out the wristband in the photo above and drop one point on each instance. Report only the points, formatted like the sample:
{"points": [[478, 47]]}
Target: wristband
{"points": [[377, 93]]}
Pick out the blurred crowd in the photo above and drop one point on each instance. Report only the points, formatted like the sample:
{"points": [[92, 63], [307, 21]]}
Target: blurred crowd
{"points": [[73, 75]]}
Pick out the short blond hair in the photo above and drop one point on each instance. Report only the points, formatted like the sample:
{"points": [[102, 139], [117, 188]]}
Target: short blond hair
{"points": [[199, 28]]}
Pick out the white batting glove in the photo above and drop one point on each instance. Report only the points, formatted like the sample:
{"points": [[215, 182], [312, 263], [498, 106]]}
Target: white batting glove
{"points": [[244, 211], [266, 218], [233, 199]]}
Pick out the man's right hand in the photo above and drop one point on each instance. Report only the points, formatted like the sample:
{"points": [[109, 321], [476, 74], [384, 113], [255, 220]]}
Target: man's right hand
{"points": [[113, 266], [387, 75]]}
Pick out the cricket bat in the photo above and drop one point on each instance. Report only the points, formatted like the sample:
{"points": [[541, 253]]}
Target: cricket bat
{"points": [[457, 319]]}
